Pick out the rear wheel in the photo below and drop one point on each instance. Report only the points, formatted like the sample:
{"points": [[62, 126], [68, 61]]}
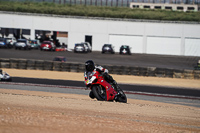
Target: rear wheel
{"points": [[99, 92]]}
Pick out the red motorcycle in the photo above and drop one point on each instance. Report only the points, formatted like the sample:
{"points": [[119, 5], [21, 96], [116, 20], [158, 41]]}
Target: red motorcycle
{"points": [[104, 91]]}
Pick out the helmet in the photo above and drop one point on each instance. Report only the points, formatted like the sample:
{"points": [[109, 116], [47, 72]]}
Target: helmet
{"points": [[89, 65]]}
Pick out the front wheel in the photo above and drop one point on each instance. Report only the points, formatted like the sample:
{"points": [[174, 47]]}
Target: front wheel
{"points": [[99, 92]]}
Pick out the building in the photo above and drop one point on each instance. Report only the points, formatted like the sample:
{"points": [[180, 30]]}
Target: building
{"points": [[148, 37], [165, 6]]}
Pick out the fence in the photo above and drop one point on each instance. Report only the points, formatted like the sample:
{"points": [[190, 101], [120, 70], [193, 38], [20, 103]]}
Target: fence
{"points": [[111, 3], [113, 69]]}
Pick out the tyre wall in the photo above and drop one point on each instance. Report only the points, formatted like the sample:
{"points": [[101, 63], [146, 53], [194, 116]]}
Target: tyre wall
{"points": [[113, 69]]}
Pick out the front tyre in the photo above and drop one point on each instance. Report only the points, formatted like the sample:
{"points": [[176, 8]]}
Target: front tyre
{"points": [[99, 92], [91, 95]]}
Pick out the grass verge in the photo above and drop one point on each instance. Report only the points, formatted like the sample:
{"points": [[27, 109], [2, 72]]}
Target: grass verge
{"points": [[94, 11]]}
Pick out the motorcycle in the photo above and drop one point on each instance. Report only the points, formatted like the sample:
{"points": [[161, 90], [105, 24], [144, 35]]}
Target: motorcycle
{"points": [[104, 91], [5, 77]]}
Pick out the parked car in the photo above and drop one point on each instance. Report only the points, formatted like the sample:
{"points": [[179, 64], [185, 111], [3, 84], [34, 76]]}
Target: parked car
{"points": [[81, 48], [60, 59], [125, 49], [48, 45], [4, 42], [108, 48], [89, 46], [22, 43], [34, 44], [12, 41]]}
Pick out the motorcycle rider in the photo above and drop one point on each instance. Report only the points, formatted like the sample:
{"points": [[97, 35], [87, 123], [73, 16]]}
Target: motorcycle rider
{"points": [[1, 74], [90, 70]]}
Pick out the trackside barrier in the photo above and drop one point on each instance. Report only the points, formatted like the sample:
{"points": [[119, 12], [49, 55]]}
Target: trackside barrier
{"points": [[113, 69]]}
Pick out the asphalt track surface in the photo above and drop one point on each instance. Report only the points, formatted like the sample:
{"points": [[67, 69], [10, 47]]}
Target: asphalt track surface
{"points": [[141, 60], [128, 88], [82, 91]]}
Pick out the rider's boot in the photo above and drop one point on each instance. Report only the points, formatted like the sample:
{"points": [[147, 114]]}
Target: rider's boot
{"points": [[117, 96]]}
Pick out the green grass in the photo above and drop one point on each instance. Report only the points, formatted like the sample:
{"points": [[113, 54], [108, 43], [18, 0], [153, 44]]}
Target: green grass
{"points": [[94, 11]]}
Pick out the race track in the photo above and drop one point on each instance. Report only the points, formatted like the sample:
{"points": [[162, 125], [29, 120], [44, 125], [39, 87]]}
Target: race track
{"points": [[194, 102], [50, 105], [141, 60], [130, 88]]}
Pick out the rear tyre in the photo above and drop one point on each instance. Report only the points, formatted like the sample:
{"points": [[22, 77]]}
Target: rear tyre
{"points": [[99, 92]]}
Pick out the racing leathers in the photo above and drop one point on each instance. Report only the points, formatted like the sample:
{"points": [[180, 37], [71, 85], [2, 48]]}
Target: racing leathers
{"points": [[1, 75], [4, 76], [105, 74]]}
